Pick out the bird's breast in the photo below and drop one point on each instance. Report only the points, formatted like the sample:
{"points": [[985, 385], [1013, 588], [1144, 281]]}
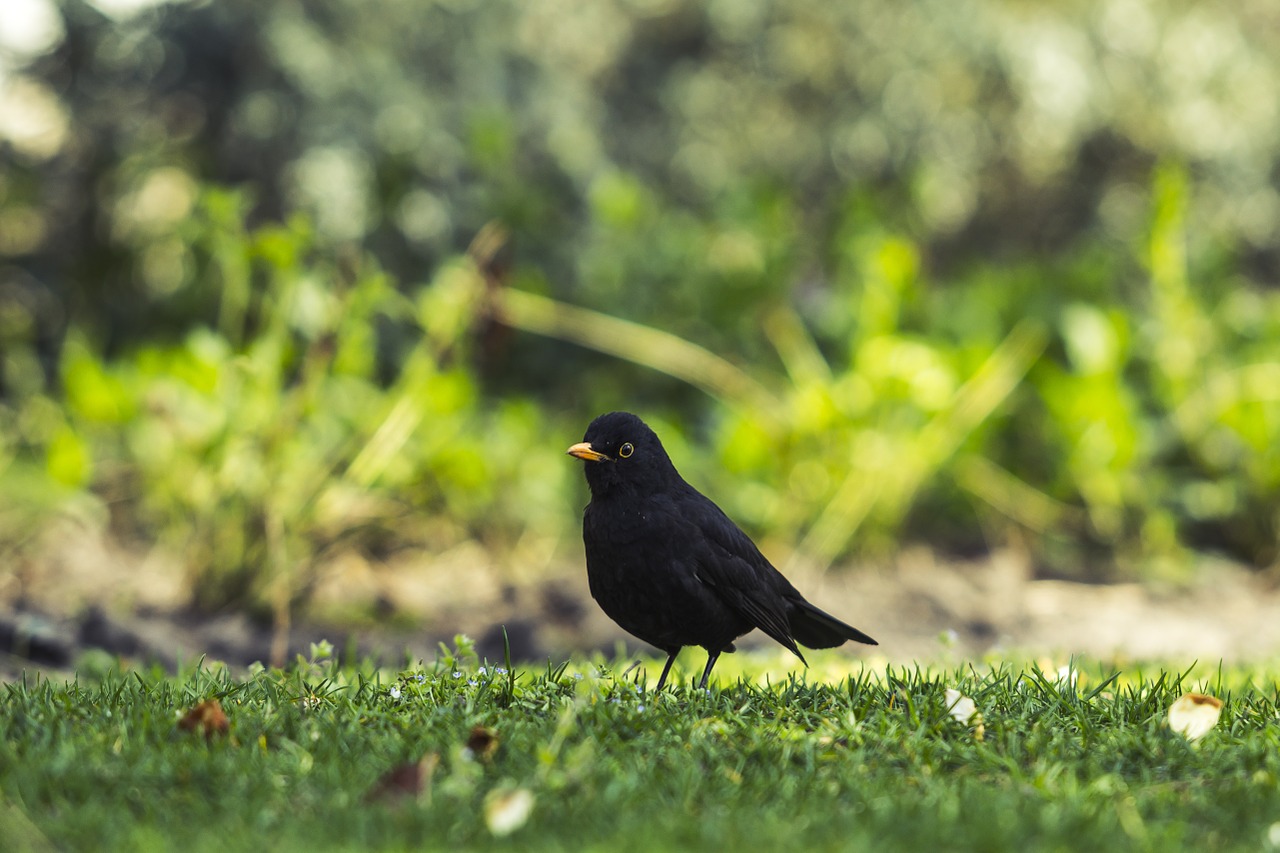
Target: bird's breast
{"points": [[642, 570]]}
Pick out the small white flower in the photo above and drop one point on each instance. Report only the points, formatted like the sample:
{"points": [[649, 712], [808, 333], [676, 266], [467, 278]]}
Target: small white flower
{"points": [[395, 691], [500, 670], [482, 671], [457, 674]]}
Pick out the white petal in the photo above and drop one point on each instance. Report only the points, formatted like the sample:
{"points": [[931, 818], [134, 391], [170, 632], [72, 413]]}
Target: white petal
{"points": [[1193, 715], [961, 707], [507, 811]]}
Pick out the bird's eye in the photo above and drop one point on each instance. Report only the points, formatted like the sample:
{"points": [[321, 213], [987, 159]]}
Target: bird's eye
{"points": [[626, 450]]}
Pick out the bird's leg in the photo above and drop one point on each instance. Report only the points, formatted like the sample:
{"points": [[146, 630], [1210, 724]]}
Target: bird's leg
{"points": [[662, 679], [706, 673]]}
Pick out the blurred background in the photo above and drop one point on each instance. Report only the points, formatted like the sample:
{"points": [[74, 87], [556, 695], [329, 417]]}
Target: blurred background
{"points": [[301, 302]]}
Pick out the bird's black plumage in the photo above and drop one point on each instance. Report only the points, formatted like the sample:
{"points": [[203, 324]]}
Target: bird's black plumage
{"points": [[668, 565]]}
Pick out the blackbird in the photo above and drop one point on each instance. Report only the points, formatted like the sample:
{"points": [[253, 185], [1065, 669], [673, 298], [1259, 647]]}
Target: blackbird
{"points": [[668, 565]]}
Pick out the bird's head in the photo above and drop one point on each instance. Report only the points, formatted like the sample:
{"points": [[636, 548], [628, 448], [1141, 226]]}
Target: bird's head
{"points": [[621, 451]]}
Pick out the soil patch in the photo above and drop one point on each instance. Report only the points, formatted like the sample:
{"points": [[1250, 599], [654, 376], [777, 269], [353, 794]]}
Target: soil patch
{"points": [[86, 594]]}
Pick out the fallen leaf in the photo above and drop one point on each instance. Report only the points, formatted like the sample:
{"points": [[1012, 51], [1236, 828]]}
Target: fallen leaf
{"points": [[482, 743], [506, 811], [1194, 715], [206, 718], [406, 780]]}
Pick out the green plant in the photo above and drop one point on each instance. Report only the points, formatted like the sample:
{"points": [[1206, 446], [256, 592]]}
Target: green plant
{"points": [[869, 755]]}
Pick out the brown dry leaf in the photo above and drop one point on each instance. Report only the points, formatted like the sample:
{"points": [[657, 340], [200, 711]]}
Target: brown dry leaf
{"points": [[206, 718], [406, 780], [1193, 715], [482, 743]]}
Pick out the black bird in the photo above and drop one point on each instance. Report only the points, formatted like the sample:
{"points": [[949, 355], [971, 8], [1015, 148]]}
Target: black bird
{"points": [[668, 565]]}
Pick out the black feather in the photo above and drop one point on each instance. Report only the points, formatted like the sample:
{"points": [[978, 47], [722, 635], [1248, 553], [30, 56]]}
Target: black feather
{"points": [[670, 567]]}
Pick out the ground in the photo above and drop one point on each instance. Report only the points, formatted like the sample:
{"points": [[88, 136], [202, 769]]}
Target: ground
{"points": [[86, 592]]}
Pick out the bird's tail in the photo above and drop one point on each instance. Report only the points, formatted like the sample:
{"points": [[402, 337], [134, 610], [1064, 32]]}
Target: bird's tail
{"points": [[818, 629]]}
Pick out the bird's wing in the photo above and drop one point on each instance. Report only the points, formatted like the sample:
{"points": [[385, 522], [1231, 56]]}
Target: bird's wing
{"points": [[731, 565], [765, 613]]}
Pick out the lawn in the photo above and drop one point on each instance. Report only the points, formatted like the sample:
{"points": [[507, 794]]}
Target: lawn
{"points": [[462, 754]]}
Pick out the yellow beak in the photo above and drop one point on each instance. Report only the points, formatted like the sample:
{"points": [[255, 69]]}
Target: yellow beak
{"points": [[583, 450]]}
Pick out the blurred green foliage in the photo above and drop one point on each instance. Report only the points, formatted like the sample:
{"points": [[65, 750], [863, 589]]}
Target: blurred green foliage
{"points": [[961, 273]]}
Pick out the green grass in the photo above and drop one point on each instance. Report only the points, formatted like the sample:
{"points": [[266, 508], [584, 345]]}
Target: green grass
{"points": [[841, 757]]}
